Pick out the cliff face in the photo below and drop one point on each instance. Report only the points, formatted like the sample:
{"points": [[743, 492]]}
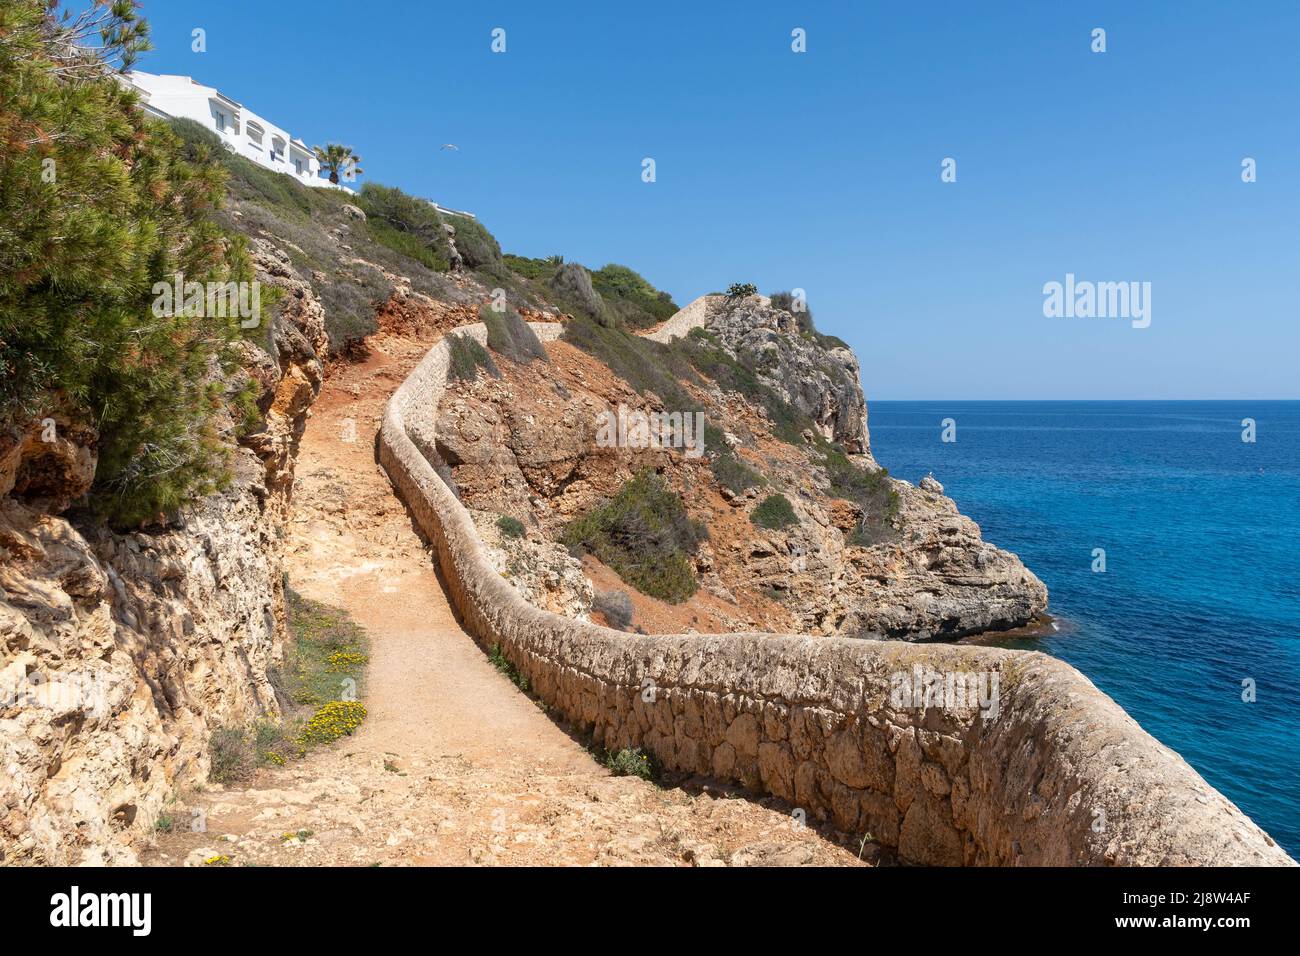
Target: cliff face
{"points": [[122, 651], [817, 374], [865, 556]]}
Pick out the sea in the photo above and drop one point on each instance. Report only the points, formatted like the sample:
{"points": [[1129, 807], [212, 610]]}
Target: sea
{"points": [[1168, 534]]}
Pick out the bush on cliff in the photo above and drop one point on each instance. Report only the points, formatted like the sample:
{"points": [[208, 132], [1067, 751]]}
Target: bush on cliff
{"points": [[528, 268], [405, 224], [728, 470], [402, 235], [799, 309], [646, 365], [614, 295], [478, 248], [774, 513], [509, 335], [466, 357], [97, 204], [409, 226], [702, 352], [645, 536], [511, 527], [637, 303], [872, 491]]}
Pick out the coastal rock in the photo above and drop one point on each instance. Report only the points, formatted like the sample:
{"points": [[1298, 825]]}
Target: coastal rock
{"points": [[817, 374], [457, 261], [898, 563]]}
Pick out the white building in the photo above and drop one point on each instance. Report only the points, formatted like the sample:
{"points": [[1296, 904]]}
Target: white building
{"points": [[241, 130]]}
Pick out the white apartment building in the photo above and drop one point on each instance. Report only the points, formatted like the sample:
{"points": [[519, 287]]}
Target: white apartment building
{"points": [[241, 130]]}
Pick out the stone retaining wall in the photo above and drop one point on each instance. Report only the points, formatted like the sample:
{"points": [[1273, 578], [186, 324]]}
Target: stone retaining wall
{"points": [[1056, 774]]}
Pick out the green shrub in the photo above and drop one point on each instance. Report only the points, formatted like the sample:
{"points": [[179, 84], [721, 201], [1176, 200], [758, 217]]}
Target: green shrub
{"points": [[634, 300], [542, 269], [402, 235], [774, 513], [630, 762], [327, 655], [235, 753], [617, 296], [247, 180], [502, 663], [727, 467], [467, 357], [871, 491], [406, 224], [478, 248], [274, 743], [738, 290], [510, 527], [98, 202], [646, 365], [732, 473], [645, 536], [509, 335], [406, 244]]}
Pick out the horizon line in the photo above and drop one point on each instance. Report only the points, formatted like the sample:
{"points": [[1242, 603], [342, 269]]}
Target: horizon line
{"points": [[1082, 400]]}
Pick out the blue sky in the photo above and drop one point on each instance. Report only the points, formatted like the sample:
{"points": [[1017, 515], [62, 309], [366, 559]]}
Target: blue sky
{"points": [[821, 170]]}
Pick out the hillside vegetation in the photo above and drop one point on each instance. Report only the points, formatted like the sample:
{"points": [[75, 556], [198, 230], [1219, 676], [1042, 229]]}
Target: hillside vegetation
{"points": [[407, 236], [90, 220]]}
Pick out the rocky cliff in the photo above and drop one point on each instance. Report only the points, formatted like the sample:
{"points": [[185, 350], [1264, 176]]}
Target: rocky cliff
{"points": [[121, 651], [861, 555]]}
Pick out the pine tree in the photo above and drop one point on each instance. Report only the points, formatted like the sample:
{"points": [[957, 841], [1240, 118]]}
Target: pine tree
{"points": [[97, 204]]}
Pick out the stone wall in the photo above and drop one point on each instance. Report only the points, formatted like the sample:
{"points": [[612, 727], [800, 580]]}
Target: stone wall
{"points": [[1056, 774]]}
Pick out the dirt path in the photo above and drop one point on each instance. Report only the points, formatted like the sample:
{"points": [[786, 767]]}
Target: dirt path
{"points": [[453, 764]]}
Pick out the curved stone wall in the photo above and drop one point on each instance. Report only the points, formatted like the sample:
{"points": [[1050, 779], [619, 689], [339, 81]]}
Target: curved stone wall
{"points": [[1054, 773]]}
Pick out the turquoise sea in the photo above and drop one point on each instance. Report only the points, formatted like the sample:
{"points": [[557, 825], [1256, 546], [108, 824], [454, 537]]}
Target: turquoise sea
{"points": [[1201, 533]]}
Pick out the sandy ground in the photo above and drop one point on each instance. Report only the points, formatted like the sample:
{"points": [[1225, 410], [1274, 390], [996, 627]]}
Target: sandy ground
{"points": [[453, 764]]}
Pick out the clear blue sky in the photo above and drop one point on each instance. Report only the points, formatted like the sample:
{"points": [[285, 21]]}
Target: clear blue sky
{"points": [[821, 170]]}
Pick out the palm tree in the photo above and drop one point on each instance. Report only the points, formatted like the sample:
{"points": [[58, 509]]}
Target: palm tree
{"points": [[335, 157]]}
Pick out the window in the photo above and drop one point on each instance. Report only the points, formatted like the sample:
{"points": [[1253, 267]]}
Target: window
{"points": [[221, 122], [297, 166]]}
